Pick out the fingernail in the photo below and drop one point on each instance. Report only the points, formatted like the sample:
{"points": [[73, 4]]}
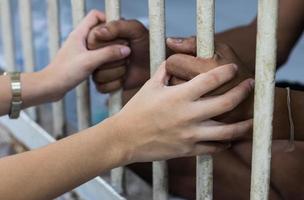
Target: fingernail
{"points": [[125, 51], [175, 40], [234, 66], [104, 30], [252, 83]]}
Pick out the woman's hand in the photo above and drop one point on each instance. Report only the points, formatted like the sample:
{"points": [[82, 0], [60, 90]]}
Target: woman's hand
{"points": [[162, 122], [74, 62]]}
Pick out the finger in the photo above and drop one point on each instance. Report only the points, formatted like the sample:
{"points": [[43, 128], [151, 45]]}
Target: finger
{"points": [[187, 67], [109, 75], [225, 132], [208, 148], [176, 81], [206, 82], [161, 77], [114, 64], [92, 19], [215, 106], [128, 29], [93, 43], [109, 87], [182, 45], [104, 55]]}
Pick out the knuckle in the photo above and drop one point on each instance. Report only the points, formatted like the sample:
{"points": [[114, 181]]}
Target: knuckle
{"points": [[224, 47], [228, 104], [213, 79], [94, 12]]}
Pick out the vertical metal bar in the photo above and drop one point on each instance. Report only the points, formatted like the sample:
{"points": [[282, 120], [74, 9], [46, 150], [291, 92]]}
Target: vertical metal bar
{"points": [[115, 99], [82, 91], [264, 98], [7, 36], [205, 49], [54, 45], [157, 56], [25, 11]]}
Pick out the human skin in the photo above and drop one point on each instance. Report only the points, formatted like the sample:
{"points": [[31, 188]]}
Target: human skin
{"points": [[140, 132], [242, 41]]}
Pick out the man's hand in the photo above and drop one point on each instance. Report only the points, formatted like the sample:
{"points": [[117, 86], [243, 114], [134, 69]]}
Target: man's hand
{"points": [[184, 67], [128, 73]]}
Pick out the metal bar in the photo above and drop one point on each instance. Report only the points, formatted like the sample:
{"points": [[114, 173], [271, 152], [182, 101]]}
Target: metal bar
{"points": [[157, 56], [115, 99], [25, 11], [83, 90], [7, 36], [54, 45], [205, 49], [264, 98], [33, 136]]}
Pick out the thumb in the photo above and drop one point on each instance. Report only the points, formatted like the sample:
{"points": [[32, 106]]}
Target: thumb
{"points": [[182, 45], [108, 54], [161, 76]]}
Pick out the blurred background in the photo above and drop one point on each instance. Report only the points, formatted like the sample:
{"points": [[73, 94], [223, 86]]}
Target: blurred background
{"points": [[181, 21]]}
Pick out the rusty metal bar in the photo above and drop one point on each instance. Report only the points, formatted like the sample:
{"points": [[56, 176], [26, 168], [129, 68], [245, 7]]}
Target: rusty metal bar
{"points": [[157, 56], [264, 98], [205, 49], [115, 99], [83, 90]]}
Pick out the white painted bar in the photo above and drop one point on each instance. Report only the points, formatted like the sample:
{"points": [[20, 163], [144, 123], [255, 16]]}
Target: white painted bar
{"points": [[115, 98], [54, 45], [157, 56], [264, 98], [25, 11], [29, 133], [82, 91], [205, 49], [7, 36]]}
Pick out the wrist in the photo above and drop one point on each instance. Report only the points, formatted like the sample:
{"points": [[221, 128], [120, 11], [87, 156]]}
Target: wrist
{"points": [[38, 87], [120, 144]]}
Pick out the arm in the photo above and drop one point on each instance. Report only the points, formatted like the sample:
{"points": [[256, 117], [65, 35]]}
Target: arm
{"points": [[73, 64], [140, 132]]}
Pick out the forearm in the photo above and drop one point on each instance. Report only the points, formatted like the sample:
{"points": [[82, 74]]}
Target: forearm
{"points": [[37, 88], [290, 27], [53, 170]]}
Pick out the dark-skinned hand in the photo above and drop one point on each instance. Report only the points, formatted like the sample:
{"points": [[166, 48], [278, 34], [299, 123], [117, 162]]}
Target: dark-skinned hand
{"points": [[184, 65]]}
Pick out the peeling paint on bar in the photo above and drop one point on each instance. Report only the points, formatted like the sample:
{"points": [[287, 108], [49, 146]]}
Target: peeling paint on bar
{"points": [[7, 36], [205, 49], [115, 99], [54, 45], [82, 91], [157, 56], [264, 98]]}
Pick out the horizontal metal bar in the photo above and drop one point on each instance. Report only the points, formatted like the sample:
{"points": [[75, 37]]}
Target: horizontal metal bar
{"points": [[33, 136]]}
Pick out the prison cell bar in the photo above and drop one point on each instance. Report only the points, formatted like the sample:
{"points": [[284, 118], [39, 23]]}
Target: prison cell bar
{"points": [[25, 11], [7, 36], [115, 98], [157, 56], [58, 108], [82, 90], [264, 98], [205, 49]]}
